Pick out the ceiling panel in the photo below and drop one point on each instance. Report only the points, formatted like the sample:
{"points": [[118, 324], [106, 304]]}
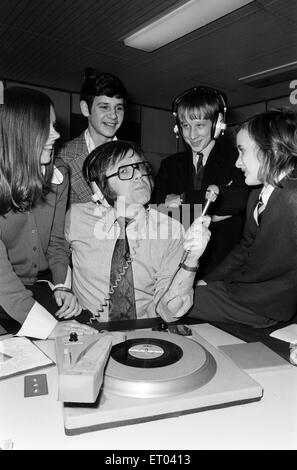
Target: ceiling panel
{"points": [[50, 42]]}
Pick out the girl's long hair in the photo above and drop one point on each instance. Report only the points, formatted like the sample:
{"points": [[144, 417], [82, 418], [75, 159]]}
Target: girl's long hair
{"points": [[24, 130]]}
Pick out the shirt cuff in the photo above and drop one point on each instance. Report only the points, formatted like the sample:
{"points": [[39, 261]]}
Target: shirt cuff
{"points": [[38, 324], [67, 282]]}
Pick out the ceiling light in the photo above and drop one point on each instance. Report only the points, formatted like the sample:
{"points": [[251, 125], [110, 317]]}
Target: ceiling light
{"points": [[184, 19], [270, 77]]}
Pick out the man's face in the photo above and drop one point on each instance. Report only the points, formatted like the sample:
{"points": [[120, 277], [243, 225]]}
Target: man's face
{"points": [[196, 132], [106, 116], [136, 190]]}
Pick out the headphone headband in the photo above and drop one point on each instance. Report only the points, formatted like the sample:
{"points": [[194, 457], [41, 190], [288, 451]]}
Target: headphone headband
{"points": [[201, 89]]}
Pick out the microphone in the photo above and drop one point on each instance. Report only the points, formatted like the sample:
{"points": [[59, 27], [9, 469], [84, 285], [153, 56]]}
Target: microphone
{"points": [[211, 195]]}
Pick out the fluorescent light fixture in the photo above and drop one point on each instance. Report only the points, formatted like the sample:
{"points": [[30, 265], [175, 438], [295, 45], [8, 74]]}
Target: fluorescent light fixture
{"points": [[270, 77], [184, 19]]}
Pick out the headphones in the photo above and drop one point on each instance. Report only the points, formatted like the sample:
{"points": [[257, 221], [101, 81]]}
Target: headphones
{"points": [[218, 124], [99, 194]]}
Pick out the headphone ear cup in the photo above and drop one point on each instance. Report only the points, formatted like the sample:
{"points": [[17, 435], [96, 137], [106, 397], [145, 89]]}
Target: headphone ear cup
{"points": [[218, 126], [84, 108], [98, 195], [214, 131], [175, 130]]}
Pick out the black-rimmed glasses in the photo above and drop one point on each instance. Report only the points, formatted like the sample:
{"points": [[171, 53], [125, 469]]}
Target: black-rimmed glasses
{"points": [[126, 172]]}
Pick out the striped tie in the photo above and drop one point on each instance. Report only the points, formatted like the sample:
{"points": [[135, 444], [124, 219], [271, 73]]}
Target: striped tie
{"points": [[260, 209], [198, 175], [122, 295]]}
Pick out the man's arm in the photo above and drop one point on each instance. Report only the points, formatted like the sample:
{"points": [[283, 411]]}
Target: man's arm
{"points": [[177, 297]]}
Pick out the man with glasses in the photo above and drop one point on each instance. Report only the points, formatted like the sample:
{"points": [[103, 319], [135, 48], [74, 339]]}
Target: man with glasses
{"points": [[160, 274], [102, 102]]}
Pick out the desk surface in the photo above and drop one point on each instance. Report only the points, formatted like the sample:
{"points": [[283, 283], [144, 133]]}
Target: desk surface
{"points": [[271, 423]]}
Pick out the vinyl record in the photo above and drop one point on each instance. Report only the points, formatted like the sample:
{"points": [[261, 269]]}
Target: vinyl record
{"points": [[157, 364], [146, 352]]}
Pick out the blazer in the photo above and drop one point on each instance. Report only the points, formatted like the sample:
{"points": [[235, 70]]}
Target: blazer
{"points": [[176, 176], [74, 154], [261, 272]]}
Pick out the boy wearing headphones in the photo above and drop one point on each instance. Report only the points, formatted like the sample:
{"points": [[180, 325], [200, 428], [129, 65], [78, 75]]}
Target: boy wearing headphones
{"points": [[127, 257], [102, 102], [184, 177]]}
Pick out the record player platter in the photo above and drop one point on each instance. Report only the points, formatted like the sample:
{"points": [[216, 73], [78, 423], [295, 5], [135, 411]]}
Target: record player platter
{"points": [[152, 366]]}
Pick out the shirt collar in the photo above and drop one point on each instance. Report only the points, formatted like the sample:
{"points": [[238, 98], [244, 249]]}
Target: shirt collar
{"points": [[206, 151], [110, 216], [57, 177], [268, 189], [89, 141], [266, 193]]}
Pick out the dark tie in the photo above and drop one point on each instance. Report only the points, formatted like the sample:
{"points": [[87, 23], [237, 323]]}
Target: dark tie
{"points": [[260, 209], [122, 295], [198, 172]]}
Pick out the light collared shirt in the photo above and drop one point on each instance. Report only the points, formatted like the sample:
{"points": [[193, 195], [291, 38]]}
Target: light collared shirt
{"points": [[156, 248], [89, 141], [205, 152]]}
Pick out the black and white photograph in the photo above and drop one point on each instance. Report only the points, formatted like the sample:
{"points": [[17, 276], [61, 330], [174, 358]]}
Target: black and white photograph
{"points": [[148, 228]]}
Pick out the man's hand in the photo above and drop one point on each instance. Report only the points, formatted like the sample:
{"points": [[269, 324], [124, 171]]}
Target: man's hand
{"points": [[69, 307], [64, 328], [196, 237]]}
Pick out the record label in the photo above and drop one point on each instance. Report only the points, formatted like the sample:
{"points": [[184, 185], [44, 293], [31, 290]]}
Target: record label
{"points": [[146, 352]]}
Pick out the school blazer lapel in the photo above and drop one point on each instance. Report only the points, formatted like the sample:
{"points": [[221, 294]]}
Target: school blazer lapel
{"points": [[213, 166]]}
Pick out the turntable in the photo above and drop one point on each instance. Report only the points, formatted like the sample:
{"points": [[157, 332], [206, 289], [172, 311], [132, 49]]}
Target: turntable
{"points": [[153, 375]]}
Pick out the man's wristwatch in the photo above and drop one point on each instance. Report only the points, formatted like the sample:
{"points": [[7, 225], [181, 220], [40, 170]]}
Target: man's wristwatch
{"points": [[192, 269]]}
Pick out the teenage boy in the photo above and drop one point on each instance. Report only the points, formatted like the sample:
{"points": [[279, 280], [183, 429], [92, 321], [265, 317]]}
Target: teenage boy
{"points": [[102, 102], [209, 159]]}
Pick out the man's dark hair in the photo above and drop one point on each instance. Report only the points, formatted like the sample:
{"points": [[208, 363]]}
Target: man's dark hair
{"points": [[102, 84], [103, 156]]}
